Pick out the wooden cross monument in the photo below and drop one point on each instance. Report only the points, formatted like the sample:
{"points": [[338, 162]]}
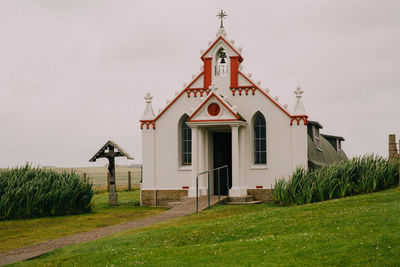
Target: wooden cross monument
{"points": [[111, 150]]}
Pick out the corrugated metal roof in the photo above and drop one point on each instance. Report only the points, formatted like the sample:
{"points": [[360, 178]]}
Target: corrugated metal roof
{"points": [[326, 155]]}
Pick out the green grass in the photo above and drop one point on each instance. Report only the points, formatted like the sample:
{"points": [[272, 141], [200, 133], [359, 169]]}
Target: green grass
{"points": [[362, 230], [19, 233]]}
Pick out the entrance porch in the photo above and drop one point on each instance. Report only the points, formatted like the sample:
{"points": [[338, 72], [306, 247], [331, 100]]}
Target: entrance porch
{"points": [[215, 144]]}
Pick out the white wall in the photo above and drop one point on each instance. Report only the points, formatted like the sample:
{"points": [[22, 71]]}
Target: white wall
{"points": [[286, 144]]}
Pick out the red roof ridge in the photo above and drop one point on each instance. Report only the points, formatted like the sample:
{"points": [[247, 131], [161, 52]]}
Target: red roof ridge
{"points": [[221, 37], [262, 91], [178, 95]]}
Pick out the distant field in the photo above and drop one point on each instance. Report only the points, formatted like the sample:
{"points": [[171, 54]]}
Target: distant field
{"points": [[98, 175]]}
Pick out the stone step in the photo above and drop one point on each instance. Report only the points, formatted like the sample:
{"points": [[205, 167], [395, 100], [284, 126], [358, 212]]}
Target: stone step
{"points": [[245, 202], [189, 205], [247, 198], [174, 204], [184, 199]]}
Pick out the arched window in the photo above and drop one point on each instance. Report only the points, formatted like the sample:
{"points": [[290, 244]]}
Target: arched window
{"points": [[186, 141], [220, 64], [260, 139]]}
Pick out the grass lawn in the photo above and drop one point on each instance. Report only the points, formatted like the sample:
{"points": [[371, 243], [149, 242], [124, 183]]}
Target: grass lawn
{"points": [[19, 233], [362, 230]]}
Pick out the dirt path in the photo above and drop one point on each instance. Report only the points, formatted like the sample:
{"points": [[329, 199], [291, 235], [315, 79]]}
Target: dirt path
{"points": [[24, 253]]}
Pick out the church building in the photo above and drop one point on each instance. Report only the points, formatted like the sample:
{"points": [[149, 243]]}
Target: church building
{"points": [[223, 117]]}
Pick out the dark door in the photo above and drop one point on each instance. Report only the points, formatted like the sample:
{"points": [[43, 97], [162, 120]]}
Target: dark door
{"points": [[222, 153]]}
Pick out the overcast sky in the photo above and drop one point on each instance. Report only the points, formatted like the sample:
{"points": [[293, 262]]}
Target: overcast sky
{"points": [[73, 74]]}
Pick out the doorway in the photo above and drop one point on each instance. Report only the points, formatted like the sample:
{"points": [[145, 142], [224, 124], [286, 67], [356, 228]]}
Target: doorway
{"points": [[222, 155]]}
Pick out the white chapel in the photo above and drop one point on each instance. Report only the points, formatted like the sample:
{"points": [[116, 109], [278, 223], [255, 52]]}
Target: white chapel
{"points": [[224, 118]]}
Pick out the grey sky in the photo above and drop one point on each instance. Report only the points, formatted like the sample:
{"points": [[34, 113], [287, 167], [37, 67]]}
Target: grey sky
{"points": [[73, 74]]}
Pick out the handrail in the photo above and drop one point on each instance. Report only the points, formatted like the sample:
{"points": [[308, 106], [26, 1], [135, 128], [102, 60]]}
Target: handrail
{"points": [[208, 185]]}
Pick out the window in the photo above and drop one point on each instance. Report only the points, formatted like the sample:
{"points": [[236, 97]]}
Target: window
{"points": [[316, 137], [186, 141], [260, 139]]}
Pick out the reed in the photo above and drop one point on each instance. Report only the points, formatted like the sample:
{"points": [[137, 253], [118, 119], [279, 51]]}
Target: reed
{"points": [[359, 175], [27, 192]]}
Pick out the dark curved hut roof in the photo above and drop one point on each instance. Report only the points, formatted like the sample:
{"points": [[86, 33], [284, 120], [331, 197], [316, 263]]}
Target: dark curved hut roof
{"points": [[326, 155], [329, 150]]}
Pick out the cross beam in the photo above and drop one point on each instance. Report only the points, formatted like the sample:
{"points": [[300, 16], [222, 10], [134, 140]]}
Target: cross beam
{"points": [[109, 152]]}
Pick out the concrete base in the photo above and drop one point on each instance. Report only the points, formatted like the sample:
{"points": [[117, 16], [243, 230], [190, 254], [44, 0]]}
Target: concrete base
{"points": [[113, 199], [237, 192], [161, 197], [264, 195]]}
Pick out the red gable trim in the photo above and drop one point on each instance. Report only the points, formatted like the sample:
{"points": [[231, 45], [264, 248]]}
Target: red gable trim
{"points": [[219, 100], [273, 101], [195, 80], [176, 98], [219, 38], [147, 123]]}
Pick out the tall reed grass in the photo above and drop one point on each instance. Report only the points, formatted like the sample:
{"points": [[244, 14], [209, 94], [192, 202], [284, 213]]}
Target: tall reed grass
{"points": [[27, 192], [359, 175]]}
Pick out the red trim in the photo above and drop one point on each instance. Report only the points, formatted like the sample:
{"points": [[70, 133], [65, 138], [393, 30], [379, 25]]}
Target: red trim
{"points": [[220, 37], [195, 80], [147, 123], [244, 88], [259, 186], [205, 101], [207, 72], [299, 118], [173, 101], [234, 71], [201, 91], [185, 187], [244, 76]]}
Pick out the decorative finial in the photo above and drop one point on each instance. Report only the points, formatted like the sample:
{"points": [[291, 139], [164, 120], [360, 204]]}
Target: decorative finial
{"points": [[148, 113], [221, 15], [298, 92], [299, 107], [148, 98]]}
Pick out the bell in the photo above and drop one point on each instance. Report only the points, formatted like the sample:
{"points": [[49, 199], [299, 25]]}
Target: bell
{"points": [[223, 61]]}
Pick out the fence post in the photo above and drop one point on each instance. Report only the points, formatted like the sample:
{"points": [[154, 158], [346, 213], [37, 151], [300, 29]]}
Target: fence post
{"points": [[108, 182], [392, 147], [398, 160], [219, 189], [84, 177], [129, 180], [209, 191]]}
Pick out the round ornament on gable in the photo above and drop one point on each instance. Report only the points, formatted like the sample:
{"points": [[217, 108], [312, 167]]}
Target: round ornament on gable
{"points": [[213, 109]]}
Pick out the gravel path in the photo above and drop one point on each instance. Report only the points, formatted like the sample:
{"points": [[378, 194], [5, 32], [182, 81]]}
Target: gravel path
{"points": [[24, 253]]}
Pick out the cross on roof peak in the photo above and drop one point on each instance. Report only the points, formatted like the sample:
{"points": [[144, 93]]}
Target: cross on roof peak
{"points": [[298, 92], [221, 15], [148, 98]]}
